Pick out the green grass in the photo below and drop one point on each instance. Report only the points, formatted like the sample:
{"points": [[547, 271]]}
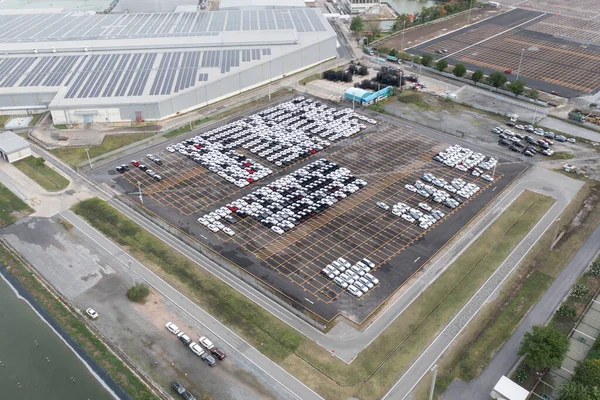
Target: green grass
{"points": [[402, 341], [11, 207], [275, 338], [76, 328], [3, 119], [561, 155], [45, 176], [61, 126], [310, 78], [76, 155], [36, 119], [413, 98]]}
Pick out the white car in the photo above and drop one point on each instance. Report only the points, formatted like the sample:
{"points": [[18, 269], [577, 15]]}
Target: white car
{"points": [[228, 231], [410, 188], [408, 218], [425, 207], [196, 349], [170, 149], [206, 343], [340, 282], [370, 263], [172, 328], [92, 313], [354, 291], [372, 279], [277, 230]]}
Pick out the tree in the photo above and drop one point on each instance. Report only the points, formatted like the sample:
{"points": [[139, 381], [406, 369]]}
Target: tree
{"points": [[426, 60], [533, 94], [566, 311], [373, 26], [356, 25], [516, 87], [580, 292], [497, 79], [39, 162], [587, 372], [441, 65], [477, 76], [138, 293], [578, 391], [543, 348], [595, 268], [416, 59], [459, 70]]}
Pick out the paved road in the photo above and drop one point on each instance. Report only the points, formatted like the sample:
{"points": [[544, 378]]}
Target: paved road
{"points": [[542, 181], [504, 360], [582, 131], [296, 388]]}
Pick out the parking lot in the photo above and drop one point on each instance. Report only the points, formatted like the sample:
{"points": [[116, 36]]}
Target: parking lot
{"points": [[288, 255], [546, 50]]}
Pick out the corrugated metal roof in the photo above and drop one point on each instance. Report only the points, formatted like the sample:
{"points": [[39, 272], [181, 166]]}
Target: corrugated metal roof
{"points": [[10, 142]]}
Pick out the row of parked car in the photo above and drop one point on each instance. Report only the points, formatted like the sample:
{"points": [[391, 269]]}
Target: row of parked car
{"points": [[451, 194], [143, 167], [356, 279], [540, 132], [293, 198], [466, 160], [209, 356], [527, 144]]}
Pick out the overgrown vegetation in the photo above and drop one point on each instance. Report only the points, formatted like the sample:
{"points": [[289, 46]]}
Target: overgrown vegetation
{"points": [[76, 328], [11, 207], [138, 293], [46, 177]]}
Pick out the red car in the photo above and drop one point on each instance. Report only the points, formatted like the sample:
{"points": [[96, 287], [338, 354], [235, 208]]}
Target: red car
{"points": [[507, 71], [250, 180], [135, 163], [218, 353]]}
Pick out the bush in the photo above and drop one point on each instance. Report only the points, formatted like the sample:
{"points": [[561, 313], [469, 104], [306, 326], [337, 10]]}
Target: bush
{"points": [[416, 59], [580, 292], [595, 268], [138, 293], [566, 311], [522, 373], [404, 56], [587, 372], [544, 347], [39, 161], [459, 70], [426, 60], [441, 65]]}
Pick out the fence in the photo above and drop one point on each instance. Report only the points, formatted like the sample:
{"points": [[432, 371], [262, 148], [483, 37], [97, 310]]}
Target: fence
{"points": [[531, 107], [230, 267]]}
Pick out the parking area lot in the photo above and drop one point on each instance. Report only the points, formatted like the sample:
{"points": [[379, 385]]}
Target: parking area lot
{"points": [[550, 52], [372, 192]]}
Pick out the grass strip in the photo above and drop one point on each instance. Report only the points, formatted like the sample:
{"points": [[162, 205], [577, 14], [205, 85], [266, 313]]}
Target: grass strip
{"points": [[273, 337], [11, 207], [43, 175], [404, 339], [75, 155], [76, 328]]}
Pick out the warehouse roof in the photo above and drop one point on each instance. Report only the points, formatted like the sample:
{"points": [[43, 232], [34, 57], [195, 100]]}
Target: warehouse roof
{"points": [[232, 4], [10, 142]]}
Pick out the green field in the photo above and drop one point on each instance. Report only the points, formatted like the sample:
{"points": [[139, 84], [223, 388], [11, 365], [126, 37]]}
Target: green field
{"points": [[11, 207], [402, 341], [76, 155], [45, 176]]}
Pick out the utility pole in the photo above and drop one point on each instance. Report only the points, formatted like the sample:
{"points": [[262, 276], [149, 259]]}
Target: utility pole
{"points": [[88, 156], [433, 378], [129, 263], [140, 190], [269, 88], [520, 61], [555, 234]]}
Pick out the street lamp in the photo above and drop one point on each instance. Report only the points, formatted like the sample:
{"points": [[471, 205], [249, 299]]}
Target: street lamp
{"points": [[403, 29], [469, 15], [520, 61], [88, 156]]}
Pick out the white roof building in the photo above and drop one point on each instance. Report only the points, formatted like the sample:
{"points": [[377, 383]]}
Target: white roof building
{"points": [[506, 389], [13, 147], [87, 67]]}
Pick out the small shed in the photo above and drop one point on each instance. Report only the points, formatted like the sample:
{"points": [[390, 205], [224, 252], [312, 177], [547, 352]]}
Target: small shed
{"points": [[506, 389], [13, 147], [356, 94]]}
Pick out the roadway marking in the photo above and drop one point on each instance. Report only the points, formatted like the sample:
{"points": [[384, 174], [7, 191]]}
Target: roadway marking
{"points": [[495, 187], [493, 36], [417, 259], [308, 300], [204, 237]]}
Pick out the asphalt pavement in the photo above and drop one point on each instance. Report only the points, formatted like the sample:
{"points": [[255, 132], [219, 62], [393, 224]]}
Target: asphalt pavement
{"points": [[507, 356]]}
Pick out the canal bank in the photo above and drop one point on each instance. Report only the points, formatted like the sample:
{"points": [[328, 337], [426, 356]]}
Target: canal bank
{"points": [[39, 359]]}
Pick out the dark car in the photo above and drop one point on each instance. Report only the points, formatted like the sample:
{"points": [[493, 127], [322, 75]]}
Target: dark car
{"points": [[529, 139], [514, 148], [208, 359], [143, 167], [230, 219], [528, 153], [185, 339], [531, 149], [217, 352], [188, 396], [120, 170], [503, 142], [543, 144], [125, 167], [178, 387], [158, 161], [510, 123]]}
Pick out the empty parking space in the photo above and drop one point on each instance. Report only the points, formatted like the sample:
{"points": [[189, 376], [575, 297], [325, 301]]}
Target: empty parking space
{"points": [[387, 157], [552, 53]]}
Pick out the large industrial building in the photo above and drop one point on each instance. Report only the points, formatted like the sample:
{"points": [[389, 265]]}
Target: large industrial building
{"points": [[88, 67]]}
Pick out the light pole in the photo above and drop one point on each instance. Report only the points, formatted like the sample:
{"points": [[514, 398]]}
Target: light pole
{"points": [[88, 156], [520, 61], [434, 370], [129, 263], [140, 190], [403, 29], [555, 234], [469, 15]]}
